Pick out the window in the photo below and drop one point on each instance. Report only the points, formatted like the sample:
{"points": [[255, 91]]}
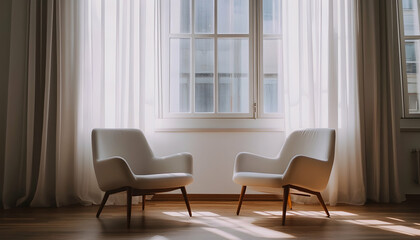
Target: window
{"points": [[410, 39], [221, 59]]}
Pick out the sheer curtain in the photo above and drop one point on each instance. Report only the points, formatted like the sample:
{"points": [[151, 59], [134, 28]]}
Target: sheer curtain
{"points": [[74, 66], [321, 88], [101, 59]]}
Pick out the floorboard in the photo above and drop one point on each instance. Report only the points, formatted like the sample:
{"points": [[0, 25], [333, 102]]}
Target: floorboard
{"points": [[163, 220]]}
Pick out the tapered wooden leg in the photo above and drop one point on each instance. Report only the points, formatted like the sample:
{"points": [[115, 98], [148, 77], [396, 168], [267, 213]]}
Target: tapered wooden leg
{"points": [[143, 201], [289, 201], [241, 197], [102, 204], [285, 194], [129, 196], [322, 203], [184, 193]]}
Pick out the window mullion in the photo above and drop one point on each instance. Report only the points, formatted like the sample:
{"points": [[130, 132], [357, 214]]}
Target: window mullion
{"points": [[192, 78], [216, 70], [259, 62]]}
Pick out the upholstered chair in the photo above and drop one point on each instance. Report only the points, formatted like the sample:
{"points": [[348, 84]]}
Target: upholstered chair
{"points": [[123, 161], [303, 164]]}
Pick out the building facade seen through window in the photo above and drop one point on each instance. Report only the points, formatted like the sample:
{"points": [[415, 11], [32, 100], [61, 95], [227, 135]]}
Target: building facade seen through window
{"points": [[411, 39]]}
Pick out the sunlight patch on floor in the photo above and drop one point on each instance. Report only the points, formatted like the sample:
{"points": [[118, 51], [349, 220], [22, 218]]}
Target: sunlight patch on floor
{"points": [[304, 213], [270, 213], [158, 237], [206, 214], [215, 223], [218, 224], [395, 219], [177, 214], [387, 226], [402, 229], [341, 213], [254, 230], [221, 233], [368, 222]]}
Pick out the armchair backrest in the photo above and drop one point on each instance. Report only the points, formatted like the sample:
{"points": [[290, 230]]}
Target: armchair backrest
{"points": [[316, 143], [129, 144]]}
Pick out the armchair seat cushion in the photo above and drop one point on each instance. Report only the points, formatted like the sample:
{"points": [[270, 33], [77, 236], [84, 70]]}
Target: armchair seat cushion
{"points": [[162, 180], [259, 179]]}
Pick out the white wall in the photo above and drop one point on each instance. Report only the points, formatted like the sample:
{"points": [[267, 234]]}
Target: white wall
{"points": [[214, 154]]}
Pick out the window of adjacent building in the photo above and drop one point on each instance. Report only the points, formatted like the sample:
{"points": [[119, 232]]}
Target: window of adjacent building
{"points": [[221, 58], [410, 49]]}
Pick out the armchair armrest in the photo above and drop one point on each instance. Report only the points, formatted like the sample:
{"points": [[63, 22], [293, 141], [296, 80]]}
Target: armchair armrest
{"points": [[176, 163], [248, 162], [308, 172], [113, 173]]}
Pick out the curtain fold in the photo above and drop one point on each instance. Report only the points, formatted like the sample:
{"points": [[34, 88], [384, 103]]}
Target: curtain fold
{"points": [[75, 66], [32, 77], [321, 85], [379, 82], [102, 76]]}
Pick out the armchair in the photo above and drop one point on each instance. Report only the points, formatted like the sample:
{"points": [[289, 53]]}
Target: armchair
{"points": [[304, 164], [123, 161]]}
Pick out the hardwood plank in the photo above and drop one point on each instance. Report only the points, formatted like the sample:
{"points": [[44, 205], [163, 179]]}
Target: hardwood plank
{"points": [[214, 220]]}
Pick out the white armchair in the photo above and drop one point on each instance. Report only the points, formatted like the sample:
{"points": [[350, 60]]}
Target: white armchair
{"points": [[123, 161], [304, 164]]}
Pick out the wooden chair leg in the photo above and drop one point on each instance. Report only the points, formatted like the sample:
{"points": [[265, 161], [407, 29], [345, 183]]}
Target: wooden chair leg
{"points": [[322, 203], [102, 204], [285, 194], [129, 196], [289, 201], [184, 193], [143, 202], [241, 197]]}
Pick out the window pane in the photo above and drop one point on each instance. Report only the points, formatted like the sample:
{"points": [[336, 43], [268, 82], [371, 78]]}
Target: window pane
{"points": [[180, 12], [412, 48], [272, 16], [204, 75], [233, 16], [411, 17], [204, 16], [272, 69], [179, 75], [233, 75]]}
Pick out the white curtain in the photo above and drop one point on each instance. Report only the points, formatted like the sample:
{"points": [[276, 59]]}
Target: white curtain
{"points": [[320, 83], [101, 77], [74, 66]]}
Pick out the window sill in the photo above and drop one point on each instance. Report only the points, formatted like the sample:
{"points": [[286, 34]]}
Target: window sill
{"points": [[410, 125], [219, 125]]}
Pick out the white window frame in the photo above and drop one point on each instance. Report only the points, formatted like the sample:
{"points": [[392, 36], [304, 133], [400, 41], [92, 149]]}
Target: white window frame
{"points": [[254, 120], [406, 111]]}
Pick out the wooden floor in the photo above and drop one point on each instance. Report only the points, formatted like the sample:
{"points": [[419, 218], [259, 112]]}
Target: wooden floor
{"points": [[214, 220]]}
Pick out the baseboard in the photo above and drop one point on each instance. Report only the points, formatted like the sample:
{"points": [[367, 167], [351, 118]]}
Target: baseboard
{"points": [[412, 197], [216, 197]]}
